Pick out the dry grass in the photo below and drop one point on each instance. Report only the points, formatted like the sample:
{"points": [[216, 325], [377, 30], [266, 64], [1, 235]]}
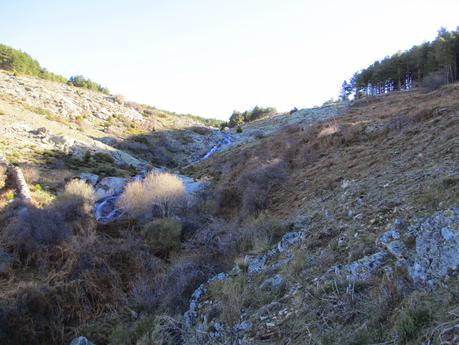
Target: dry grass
{"points": [[31, 174], [3, 176], [81, 189], [160, 192]]}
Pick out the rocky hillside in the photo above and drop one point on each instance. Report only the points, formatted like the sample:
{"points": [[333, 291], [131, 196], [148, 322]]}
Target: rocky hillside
{"points": [[332, 225], [79, 120], [369, 201]]}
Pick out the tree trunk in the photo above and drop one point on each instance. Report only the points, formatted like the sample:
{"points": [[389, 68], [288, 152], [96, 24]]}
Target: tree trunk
{"points": [[17, 177]]}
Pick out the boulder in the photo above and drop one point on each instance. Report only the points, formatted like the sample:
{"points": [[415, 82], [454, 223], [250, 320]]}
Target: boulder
{"points": [[437, 247], [391, 241], [80, 341], [109, 186], [89, 178]]}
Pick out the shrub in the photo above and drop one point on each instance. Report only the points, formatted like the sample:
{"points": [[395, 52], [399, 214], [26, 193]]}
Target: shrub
{"points": [[31, 231], [181, 280], [256, 184], [163, 235], [161, 192], [80, 189], [263, 232]]}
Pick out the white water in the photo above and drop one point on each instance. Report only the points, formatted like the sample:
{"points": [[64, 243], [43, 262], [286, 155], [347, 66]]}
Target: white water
{"points": [[106, 210]]}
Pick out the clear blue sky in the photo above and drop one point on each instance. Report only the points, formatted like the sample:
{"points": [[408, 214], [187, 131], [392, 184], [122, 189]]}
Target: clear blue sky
{"points": [[211, 57]]}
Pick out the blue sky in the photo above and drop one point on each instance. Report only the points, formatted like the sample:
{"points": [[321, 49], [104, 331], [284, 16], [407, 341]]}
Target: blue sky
{"points": [[212, 57]]}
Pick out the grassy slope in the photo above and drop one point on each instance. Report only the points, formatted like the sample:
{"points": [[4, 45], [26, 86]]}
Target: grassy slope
{"points": [[394, 156]]}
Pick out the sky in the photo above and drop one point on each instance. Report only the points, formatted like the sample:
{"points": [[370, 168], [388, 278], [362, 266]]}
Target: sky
{"points": [[210, 57]]}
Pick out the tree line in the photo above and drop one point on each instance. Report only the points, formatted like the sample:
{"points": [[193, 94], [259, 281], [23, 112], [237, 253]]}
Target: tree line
{"points": [[238, 118], [19, 62], [430, 64]]}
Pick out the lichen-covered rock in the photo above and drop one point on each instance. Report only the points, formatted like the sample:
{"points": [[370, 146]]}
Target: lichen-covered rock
{"points": [[89, 178], [272, 283], [437, 247], [80, 341], [362, 269], [391, 241], [109, 186]]}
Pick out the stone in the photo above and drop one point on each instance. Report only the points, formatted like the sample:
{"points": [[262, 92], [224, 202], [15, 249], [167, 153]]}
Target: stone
{"points": [[255, 264], [109, 186], [437, 247], [289, 239], [243, 327], [272, 283], [361, 270], [89, 178], [391, 241], [80, 341]]}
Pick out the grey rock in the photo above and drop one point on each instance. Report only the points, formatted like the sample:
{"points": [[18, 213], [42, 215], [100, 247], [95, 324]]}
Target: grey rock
{"points": [[289, 239], [109, 186], [437, 247], [243, 327], [89, 178], [361, 270], [255, 264], [391, 241], [80, 341], [272, 283]]}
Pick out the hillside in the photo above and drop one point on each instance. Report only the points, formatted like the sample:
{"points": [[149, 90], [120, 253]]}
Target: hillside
{"points": [[124, 224], [370, 203]]}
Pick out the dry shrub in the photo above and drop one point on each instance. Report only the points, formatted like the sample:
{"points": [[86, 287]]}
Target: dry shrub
{"points": [[163, 235], [182, 278], [221, 240], [31, 174], [262, 232], [162, 191], [80, 189], [31, 232], [255, 185]]}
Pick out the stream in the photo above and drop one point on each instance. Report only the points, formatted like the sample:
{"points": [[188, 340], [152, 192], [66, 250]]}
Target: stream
{"points": [[106, 210]]}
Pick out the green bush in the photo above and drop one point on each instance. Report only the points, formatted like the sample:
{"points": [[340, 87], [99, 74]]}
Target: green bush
{"points": [[237, 118], [163, 235]]}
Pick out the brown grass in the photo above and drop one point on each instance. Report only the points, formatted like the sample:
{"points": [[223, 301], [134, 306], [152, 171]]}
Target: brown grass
{"points": [[161, 190], [3, 176]]}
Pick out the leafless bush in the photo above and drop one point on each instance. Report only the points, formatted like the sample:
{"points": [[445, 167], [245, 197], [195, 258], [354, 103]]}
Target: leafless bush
{"points": [[163, 190], [227, 197], [255, 185], [31, 231], [181, 280]]}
